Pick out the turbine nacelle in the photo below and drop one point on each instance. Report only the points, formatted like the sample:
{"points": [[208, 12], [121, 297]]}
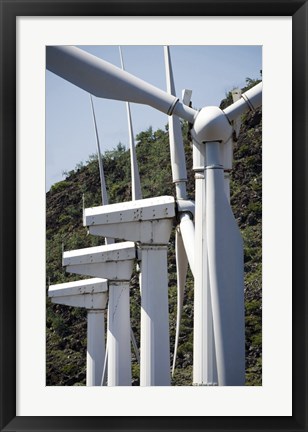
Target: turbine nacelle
{"points": [[211, 124]]}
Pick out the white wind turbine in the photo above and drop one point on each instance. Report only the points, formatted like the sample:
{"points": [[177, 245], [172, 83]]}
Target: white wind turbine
{"points": [[218, 266]]}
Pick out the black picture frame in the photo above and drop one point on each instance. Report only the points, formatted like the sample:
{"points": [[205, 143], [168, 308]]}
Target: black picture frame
{"points": [[10, 9]]}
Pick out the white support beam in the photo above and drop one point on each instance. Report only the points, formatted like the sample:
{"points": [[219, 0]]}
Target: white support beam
{"points": [[91, 294], [113, 262], [155, 345], [95, 346], [118, 335]]}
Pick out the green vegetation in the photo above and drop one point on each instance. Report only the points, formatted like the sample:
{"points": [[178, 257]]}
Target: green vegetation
{"points": [[66, 327]]}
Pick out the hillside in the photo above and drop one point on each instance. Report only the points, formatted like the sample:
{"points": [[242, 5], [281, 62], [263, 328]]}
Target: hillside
{"points": [[66, 327]]}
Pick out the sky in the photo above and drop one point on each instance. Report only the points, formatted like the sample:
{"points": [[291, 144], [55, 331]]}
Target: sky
{"points": [[209, 71]]}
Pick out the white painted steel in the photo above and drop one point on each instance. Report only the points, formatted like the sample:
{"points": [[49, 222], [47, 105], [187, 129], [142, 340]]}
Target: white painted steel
{"points": [[177, 154], [236, 95], [99, 156], [84, 286], [225, 273], [181, 273], [179, 174], [211, 125], [103, 79], [100, 254], [92, 295], [136, 186], [88, 301], [101, 170], [114, 262], [226, 154], [130, 211], [143, 231], [186, 96], [204, 361], [118, 335], [250, 100], [95, 347], [188, 237], [226, 148], [146, 221], [227, 185], [154, 346], [135, 346], [89, 294], [112, 270]]}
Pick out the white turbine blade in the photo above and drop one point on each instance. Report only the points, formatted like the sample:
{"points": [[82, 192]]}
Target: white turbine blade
{"points": [[186, 96], [136, 186], [227, 148], [181, 271], [100, 160], [187, 229], [101, 169], [179, 176], [236, 96], [103, 79], [177, 154], [135, 346], [104, 375], [250, 100], [226, 279]]}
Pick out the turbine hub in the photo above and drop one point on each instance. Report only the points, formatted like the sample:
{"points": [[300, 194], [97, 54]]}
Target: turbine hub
{"points": [[211, 124]]}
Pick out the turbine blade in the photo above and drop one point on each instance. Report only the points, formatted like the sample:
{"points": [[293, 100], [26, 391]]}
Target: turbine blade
{"points": [[104, 375], [227, 148], [135, 346], [136, 186], [103, 79], [101, 169], [249, 100], [187, 229], [226, 279], [177, 154], [181, 270], [100, 160], [236, 95]]}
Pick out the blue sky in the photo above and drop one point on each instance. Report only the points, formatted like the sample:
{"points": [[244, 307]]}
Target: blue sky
{"points": [[209, 71]]}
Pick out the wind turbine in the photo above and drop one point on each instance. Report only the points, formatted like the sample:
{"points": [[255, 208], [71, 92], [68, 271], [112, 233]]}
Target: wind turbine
{"points": [[218, 267]]}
